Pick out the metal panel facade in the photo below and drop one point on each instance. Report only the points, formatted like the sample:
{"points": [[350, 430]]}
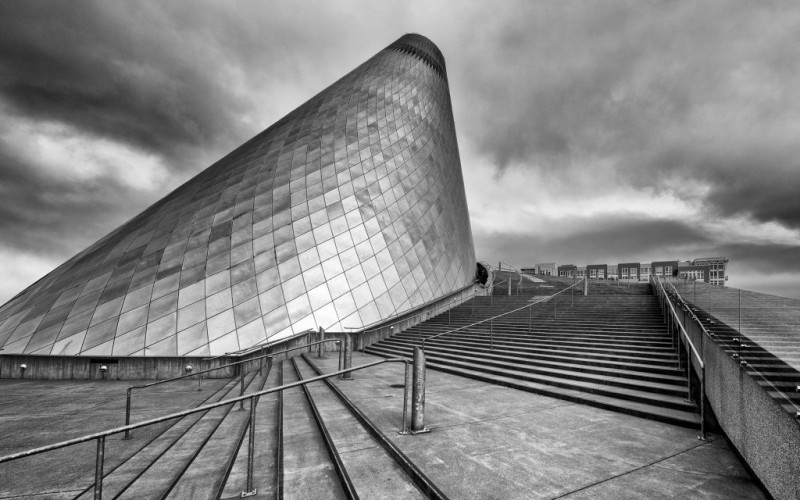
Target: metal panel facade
{"points": [[349, 210]]}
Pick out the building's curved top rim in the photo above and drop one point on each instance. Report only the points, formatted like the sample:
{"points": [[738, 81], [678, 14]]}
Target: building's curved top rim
{"points": [[421, 43]]}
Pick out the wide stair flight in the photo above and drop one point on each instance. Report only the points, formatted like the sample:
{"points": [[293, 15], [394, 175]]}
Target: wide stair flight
{"points": [[609, 349]]}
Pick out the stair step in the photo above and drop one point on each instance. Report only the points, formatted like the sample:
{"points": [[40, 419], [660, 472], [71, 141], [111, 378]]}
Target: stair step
{"points": [[308, 471], [358, 451], [203, 478]]}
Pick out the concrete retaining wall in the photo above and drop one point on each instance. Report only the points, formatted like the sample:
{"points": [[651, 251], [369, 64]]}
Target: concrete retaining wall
{"points": [[122, 368], [763, 432]]}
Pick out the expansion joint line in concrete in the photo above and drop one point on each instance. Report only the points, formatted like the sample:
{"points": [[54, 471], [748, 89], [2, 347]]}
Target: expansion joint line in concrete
{"points": [[705, 443]]}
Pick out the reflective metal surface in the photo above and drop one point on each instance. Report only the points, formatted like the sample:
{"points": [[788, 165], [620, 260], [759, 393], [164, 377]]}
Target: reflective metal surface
{"points": [[348, 210]]}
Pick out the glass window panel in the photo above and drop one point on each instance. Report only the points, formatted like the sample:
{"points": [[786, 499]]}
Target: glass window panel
{"points": [[339, 225], [137, 297], [327, 318], [161, 328], [323, 233], [241, 253], [327, 250], [242, 271], [276, 321], [191, 315], [69, 346], [246, 312], [224, 344], [364, 251], [100, 350], [245, 290], [251, 334], [42, 338], [76, 324], [264, 261], [125, 345], [219, 302], [133, 319], [302, 226], [369, 314], [338, 285], [298, 308], [343, 241], [314, 277], [385, 306], [362, 295], [349, 258], [332, 267], [107, 310], [192, 338], [192, 294], [217, 282], [268, 279], [166, 347], [319, 218], [355, 276], [220, 324], [271, 299], [309, 259], [359, 234], [165, 286], [319, 296], [304, 242], [163, 306], [290, 268], [377, 286], [293, 287], [345, 305], [218, 263], [286, 251]]}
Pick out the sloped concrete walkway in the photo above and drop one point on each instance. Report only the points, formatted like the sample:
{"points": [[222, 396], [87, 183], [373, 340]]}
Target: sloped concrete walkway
{"points": [[490, 442]]}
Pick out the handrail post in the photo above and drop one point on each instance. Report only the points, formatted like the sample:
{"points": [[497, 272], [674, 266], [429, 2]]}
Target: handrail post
{"points": [[251, 444], [128, 412], [241, 387], [703, 402], [348, 355], [418, 394], [321, 344], [98, 468], [200, 381], [341, 357], [406, 389]]}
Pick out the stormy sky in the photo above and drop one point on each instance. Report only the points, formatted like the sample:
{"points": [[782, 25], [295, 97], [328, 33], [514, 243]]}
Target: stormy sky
{"points": [[590, 132]]}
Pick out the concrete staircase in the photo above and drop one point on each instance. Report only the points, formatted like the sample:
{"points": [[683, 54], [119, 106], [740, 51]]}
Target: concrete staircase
{"points": [[609, 349], [311, 442]]}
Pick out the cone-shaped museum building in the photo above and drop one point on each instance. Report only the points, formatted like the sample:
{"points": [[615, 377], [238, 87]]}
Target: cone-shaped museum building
{"points": [[348, 211]]}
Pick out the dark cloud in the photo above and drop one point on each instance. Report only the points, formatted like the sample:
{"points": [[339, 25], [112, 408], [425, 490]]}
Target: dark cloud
{"points": [[668, 95], [52, 217]]}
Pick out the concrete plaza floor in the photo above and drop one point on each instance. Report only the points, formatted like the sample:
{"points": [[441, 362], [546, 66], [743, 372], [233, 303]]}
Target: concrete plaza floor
{"points": [[486, 442], [491, 442]]}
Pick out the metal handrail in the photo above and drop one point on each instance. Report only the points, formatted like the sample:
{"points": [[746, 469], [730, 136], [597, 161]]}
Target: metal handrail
{"points": [[688, 342], [544, 299], [100, 436], [129, 393], [750, 367]]}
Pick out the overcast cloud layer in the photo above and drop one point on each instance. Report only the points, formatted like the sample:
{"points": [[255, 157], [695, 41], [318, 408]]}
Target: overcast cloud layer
{"points": [[590, 132]]}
